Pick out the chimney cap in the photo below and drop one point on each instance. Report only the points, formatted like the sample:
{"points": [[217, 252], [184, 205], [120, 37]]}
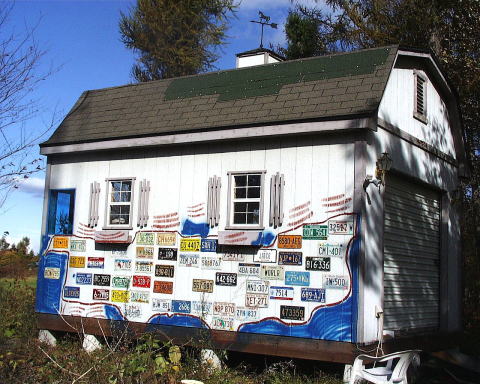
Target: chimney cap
{"points": [[256, 51]]}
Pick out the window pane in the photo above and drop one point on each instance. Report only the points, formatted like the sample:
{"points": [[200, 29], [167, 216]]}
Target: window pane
{"points": [[253, 218], [124, 209], [253, 208], [116, 185], [125, 196], [115, 197], [240, 193], [254, 192], [239, 218], [241, 181], [126, 185], [253, 180], [115, 209], [240, 207]]}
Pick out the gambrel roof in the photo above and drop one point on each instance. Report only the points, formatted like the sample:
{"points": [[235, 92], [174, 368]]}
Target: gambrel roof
{"points": [[320, 88]]}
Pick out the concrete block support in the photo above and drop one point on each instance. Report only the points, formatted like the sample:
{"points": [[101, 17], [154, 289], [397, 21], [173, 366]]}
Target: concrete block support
{"points": [[91, 343], [46, 337]]}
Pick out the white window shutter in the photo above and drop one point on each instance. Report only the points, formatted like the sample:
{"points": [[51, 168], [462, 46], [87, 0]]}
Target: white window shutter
{"points": [[144, 195], [93, 205], [213, 201], [277, 184]]}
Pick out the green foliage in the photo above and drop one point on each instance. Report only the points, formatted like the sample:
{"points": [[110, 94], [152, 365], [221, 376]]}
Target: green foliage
{"points": [[175, 38]]}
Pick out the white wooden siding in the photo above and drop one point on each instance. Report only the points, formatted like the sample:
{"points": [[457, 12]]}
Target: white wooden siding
{"points": [[397, 108]]}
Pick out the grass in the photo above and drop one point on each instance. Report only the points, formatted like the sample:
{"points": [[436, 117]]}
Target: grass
{"points": [[24, 360]]}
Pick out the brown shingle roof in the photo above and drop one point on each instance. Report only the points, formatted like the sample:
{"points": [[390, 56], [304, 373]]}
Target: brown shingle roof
{"points": [[317, 88]]}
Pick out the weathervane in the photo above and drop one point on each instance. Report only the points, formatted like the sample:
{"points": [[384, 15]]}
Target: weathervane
{"points": [[264, 20]]}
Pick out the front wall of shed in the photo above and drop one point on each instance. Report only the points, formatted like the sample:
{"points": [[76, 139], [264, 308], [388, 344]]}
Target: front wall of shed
{"points": [[319, 182], [420, 166]]}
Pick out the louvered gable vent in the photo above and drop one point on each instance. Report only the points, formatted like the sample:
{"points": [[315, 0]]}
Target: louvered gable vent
{"points": [[420, 110]]}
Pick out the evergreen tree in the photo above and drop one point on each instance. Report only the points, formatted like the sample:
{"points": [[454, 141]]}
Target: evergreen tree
{"points": [[175, 38]]}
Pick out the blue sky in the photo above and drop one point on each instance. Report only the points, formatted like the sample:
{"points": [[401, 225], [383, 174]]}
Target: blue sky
{"points": [[83, 45]]}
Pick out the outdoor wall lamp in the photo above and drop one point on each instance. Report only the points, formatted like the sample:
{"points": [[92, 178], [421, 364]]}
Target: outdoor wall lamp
{"points": [[383, 165]]}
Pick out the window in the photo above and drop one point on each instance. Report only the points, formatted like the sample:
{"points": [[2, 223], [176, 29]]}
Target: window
{"points": [[245, 200], [119, 203], [420, 101], [60, 212]]}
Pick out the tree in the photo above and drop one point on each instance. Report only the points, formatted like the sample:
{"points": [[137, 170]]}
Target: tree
{"points": [[175, 38], [20, 57]]}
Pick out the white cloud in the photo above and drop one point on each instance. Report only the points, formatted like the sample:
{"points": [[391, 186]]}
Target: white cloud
{"points": [[33, 186]]}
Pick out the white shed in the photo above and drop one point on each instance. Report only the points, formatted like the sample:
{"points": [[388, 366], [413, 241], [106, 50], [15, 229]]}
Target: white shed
{"points": [[236, 202]]}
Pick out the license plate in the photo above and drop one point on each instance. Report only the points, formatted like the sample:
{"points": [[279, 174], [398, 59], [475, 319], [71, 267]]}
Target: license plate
{"points": [[246, 314], [145, 252], [265, 256], [189, 245], [202, 285], [133, 311], [290, 258], [167, 254], [145, 238], [101, 294], [226, 279], [96, 262], [258, 286], [166, 238], [270, 272], [181, 306], [189, 260], [335, 282], [161, 305], [211, 262], [281, 293], [60, 242], [337, 227], [71, 292], [165, 287], [120, 296], [201, 308], [315, 232], [256, 300], [331, 250], [121, 281], [51, 273], [313, 294], [233, 257], [164, 270], [143, 266], [248, 269], [141, 281], [290, 241], [297, 278], [77, 262], [123, 265], [290, 312], [224, 309], [101, 280], [208, 245], [78, 245], [83, 278], [317, 264], [139, 297], [222, 323]]}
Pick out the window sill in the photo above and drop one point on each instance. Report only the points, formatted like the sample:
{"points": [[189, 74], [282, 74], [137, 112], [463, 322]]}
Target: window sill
{"points": [[243, 228], [420, 117], [117, 227]]}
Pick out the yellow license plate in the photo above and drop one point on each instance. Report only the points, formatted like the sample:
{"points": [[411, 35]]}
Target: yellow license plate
{"points": [[166, 238], [190, 245], [60, 242], [77, 262], [120, 296]]}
